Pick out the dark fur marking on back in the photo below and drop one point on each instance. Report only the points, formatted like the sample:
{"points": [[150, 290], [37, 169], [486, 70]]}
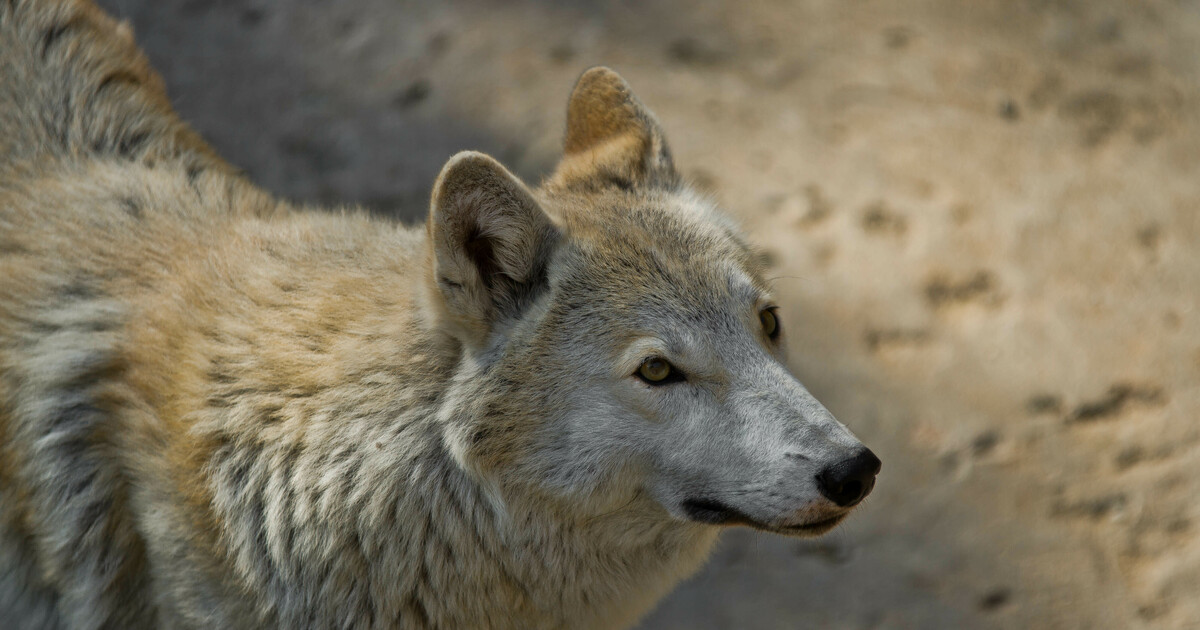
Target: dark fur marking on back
{"points": [[350, 476], [115, 79], [193, 173], [96, 512], [77, 290], [12, 248], [415, 602], [93, 368], [219, 373], [230, 398], [241, 470], [131, 144], [619, 181], [131, 207], [60, 124], [55, 33]]}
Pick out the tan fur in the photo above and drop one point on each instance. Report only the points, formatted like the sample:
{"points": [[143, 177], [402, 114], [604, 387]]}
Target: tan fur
{"points": [[221, 411], [611, 138]]}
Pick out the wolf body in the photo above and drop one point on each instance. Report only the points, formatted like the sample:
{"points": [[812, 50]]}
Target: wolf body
{"points": [[218, 410]]}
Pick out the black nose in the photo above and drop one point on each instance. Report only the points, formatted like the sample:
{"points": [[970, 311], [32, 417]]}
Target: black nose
{"points": [[850, 481]]}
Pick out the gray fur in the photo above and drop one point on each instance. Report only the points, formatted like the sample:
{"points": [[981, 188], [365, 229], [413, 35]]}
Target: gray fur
{"points": [[218, 410]]}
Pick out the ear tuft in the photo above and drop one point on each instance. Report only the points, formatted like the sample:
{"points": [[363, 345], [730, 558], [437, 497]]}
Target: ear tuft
{"points": [[490, 241], [601, 107], [611, 137]]}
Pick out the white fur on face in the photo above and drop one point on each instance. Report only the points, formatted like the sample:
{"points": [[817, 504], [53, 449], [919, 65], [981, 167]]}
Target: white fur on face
{"points": [[740, 431]]}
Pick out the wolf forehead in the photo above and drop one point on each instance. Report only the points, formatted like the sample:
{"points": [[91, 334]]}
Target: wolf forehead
{"points": [[664, 254]]}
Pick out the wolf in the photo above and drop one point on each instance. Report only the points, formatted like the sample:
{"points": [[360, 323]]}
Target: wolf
{"points": [[222, 410]]}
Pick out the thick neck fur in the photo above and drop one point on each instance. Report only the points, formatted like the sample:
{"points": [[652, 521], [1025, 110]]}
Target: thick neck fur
{"points": [[327, 429]]}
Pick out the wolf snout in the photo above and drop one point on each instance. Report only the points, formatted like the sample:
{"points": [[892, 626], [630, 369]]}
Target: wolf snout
{"points": [[849, 481]]}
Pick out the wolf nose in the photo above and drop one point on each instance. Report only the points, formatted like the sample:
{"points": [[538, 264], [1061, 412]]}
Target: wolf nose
{"points": [[850, 481]]}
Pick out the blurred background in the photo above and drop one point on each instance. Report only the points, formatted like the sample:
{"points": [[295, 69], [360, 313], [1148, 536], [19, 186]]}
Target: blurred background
{"points": [[984, 223]]}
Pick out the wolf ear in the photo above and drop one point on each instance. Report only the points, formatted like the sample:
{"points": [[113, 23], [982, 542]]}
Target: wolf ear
{"points": [[612, 139], [489, 244]]}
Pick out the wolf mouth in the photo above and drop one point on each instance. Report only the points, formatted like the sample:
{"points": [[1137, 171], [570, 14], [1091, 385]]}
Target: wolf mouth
{"points": [[819, 527], [712, 512]]}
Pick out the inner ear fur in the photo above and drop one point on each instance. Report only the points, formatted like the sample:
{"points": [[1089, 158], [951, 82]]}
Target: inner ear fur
{"points": [[489, 242], [612, 139]]}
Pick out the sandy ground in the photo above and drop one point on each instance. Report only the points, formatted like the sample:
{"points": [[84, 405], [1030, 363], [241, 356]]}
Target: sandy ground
{"points": [[984, 215]]}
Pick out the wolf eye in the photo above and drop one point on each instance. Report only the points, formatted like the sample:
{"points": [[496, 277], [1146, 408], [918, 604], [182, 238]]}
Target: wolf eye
{"points": [[657, 371], [770, 323]]}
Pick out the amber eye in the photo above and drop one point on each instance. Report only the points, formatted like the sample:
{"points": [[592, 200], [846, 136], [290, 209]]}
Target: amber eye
{"points": [[657, 371], [769, 323]]}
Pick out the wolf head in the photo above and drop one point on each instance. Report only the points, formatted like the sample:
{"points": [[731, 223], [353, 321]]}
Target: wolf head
{"points": [[619, 344]]}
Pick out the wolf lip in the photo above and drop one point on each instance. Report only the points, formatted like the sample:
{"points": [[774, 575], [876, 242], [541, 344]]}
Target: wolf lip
{"points": [[818, 527], [713, 512]]}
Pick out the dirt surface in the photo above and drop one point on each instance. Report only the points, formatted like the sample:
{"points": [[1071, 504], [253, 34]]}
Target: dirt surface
{"points": [[984, 216]]}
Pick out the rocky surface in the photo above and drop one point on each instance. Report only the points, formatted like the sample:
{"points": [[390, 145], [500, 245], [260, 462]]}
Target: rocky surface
{"points": [[984, 218]]}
